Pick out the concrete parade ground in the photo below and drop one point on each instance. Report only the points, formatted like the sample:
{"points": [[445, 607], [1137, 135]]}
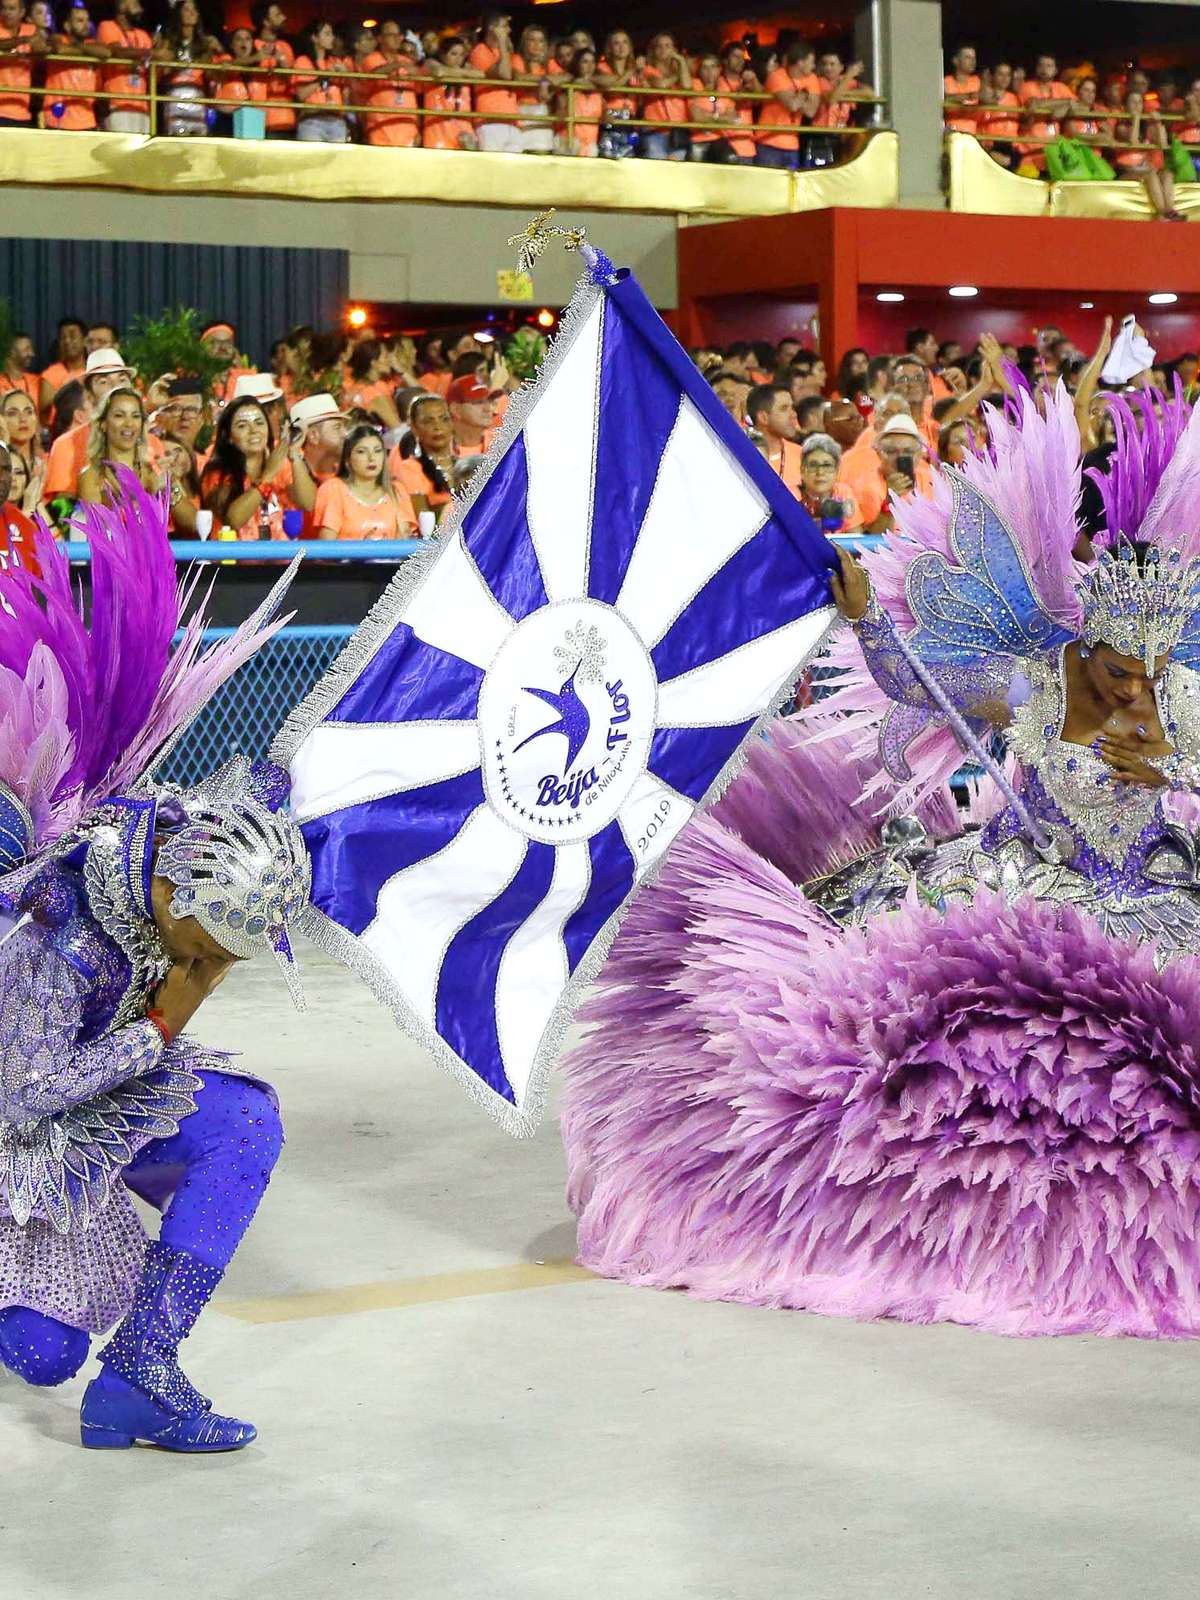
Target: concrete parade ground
{"points": [[449, 1409]]}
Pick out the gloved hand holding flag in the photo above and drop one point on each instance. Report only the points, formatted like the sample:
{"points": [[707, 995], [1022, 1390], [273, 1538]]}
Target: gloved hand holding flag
{"points": [[536, 706]]}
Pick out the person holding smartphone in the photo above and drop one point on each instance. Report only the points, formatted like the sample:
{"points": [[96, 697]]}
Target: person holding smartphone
{"points": [[897, 464]]}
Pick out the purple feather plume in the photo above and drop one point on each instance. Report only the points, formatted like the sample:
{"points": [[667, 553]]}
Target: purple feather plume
{"points": [[989, 1116], [1150, 485], [86, 706]]}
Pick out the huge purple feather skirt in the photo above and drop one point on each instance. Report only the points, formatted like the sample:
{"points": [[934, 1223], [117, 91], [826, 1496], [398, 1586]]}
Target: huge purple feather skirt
{"points": [[988, 1116]]}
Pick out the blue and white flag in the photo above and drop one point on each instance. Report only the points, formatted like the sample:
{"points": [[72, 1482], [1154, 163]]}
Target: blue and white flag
{"points": [[536, 706]]}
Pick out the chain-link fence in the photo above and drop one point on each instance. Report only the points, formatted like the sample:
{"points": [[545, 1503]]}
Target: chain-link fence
{"points": [[246, 713]]}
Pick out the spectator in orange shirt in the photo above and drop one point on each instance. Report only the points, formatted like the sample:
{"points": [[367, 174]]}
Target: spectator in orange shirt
{"points": [[999, 114], [771, 410], [534, 61], [820, 459], [250, 483], [68, 454], [1147, 166], [493, 59], [100, 336], [320, 427], [180, 464], [221, 339], [961, 88], [17, 373], [584, 139], [128, 50], [732, 389], [473, 414], [184, 414], [362, 502], [394, 62], [1046, 101], [666, 69], [1188, 131], [368, 387], [736, 78], [19, 416], [230, 88], [73, 78], [117, 437], [451, 132], [270, 23], [20, 41], [797, 97], [895, 465], [423, 462], [912, 382], [618, 70], [321, 121], [70, 353], [712, 106]]}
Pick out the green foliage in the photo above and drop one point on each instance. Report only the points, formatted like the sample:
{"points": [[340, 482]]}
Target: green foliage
{"points": [[172, 343], [524, 352]]}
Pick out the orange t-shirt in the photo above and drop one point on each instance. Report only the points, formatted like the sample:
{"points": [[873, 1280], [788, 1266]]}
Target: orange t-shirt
{"points": [[125, 74], [862, 472], [835, 113], [774, 112], [527, 94], [494, 95], [446, 134], [589, 108], [338, 509], [16, 73], [436, 382], [1002, 117], [409, 475], [329, 90], [616, 100], [69, 78], [236, 91], [712, 103], [966, 118], [1042, 127], [396, 131], [671, 107], [787, 464], [743, 144], [362, 394], [29, 383], [278, 53]]}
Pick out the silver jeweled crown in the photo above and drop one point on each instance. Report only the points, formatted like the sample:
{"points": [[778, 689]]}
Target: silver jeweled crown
{"points": [[1139, 608], [241, 869]]}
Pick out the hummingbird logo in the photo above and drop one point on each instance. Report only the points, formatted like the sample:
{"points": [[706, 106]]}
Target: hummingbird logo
{"points": [[574, 720]]}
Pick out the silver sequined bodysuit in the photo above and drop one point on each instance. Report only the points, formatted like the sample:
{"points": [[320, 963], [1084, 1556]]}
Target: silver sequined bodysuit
{"points": [[1118, 855]]}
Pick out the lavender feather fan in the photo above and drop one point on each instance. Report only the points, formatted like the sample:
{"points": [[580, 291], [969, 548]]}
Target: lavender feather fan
{"points": [[989, 1116], [88, 700], [1150, 485]]}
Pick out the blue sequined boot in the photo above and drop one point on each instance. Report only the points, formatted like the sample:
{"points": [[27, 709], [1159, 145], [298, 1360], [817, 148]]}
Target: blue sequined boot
{"points": [[141, 1393]]}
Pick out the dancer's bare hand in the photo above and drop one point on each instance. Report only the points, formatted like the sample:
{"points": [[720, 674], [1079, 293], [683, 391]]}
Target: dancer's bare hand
{"points": [[1129, 758], [185, 989], [851, 588]]}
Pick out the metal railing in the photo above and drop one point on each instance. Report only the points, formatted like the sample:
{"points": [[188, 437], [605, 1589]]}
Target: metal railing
{"points": [[154, 93], [1101, 141]]}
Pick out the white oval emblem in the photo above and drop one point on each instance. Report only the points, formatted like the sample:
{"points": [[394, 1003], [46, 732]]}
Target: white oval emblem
{"points": [[566, 715]]}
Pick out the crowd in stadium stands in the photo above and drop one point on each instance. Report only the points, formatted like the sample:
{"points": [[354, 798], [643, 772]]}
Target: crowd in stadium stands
{"points": [[1079, 123], [849, 443], [363, 437], [482, 88]]}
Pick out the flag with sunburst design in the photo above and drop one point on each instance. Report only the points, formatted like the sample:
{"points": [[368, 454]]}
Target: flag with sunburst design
{"points": [[537, 706]]}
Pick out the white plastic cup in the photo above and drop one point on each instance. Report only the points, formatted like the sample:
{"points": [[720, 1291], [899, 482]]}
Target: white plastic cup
{"points": [[204, 522], [426, 522]]}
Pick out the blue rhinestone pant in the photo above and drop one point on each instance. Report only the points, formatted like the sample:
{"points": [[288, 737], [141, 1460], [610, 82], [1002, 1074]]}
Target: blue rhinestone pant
{"points": [[218, 1166]]}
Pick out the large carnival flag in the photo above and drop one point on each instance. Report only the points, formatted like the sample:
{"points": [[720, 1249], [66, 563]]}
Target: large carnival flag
{"points": [[538, 704]]}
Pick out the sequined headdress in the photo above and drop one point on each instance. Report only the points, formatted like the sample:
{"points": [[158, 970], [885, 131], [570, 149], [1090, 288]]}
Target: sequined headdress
{"points": [[1140, 607], [239, 865]]}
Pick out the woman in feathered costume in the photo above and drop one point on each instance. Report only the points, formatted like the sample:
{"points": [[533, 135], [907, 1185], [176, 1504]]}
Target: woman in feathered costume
{"points": [[949, 1074], [122, 905]]}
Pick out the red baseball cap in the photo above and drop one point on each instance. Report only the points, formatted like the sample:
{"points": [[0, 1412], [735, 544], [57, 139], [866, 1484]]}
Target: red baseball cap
{"points": [[467, 392]]}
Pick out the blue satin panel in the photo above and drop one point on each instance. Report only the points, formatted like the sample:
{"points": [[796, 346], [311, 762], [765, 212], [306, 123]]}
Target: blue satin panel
{"points": [[466, 993], [612, 880], [689, 759], [496, 533], [639, 401], [410, 681], [765, 585], [355, 851]]}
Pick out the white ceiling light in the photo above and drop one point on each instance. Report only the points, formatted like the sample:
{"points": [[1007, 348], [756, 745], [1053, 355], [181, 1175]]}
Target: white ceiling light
{"points": [[963, 291], [1087, 305], [1163, 298], [889, 297]]}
